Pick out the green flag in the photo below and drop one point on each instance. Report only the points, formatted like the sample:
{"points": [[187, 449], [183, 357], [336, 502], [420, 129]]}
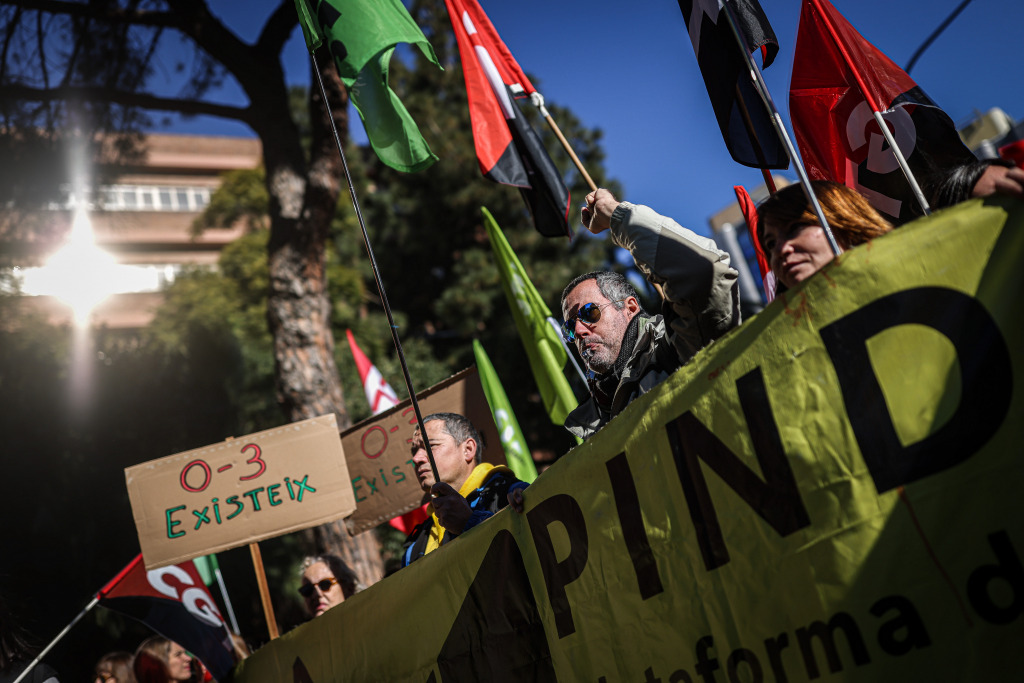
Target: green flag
{"points": [[542, 342], [361, 35], [516, 451], [207, 567]]}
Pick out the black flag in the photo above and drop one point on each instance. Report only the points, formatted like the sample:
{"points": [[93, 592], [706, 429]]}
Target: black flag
{"points": [[746, 126]]}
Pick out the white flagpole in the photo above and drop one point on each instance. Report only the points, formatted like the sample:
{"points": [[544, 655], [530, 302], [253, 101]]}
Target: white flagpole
{"points": [[39, 657], [773, 112], [227, 600]]}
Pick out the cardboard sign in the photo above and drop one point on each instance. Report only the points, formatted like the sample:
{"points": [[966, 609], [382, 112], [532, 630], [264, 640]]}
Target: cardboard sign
{"points": [[384, 480], [831, 492], [239, 491]]}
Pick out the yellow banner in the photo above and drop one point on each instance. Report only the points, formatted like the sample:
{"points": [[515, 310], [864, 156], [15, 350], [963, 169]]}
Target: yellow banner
{"points": [[832, 492]]}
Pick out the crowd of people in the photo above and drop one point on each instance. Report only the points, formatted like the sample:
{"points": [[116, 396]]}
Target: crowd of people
{"points": [[626, 350]]}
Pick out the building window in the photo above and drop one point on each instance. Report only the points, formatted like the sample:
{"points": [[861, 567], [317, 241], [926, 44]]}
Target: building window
{"points": [[202, 196]]}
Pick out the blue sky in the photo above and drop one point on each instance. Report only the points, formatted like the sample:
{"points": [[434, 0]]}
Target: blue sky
{"points": [[630, 70]]}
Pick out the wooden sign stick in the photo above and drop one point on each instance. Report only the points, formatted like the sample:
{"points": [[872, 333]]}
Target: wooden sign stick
{"points": [[261, 580]]}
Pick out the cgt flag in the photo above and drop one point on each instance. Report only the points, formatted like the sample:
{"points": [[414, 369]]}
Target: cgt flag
{"points": [[517, 454], [174, 602], [839, 80], [541, 341], [508, 150], [742, 117], [362, 44]]}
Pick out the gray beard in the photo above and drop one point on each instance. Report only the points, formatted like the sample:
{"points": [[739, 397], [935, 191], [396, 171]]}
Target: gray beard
{"points": [[600, 366]]}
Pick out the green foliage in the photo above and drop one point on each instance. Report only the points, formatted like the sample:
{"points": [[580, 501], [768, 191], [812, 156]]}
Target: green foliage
{"points": [[437, 264], [242, 197], [433, 256], [204, 369]]}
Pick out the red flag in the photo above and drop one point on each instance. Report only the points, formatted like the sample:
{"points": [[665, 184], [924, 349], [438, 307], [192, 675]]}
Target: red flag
{"points": [[174, 602], [381, 396], [746, 126], [379, 393], [410, 520], [507, 148], [750, 215], [839, 79]]}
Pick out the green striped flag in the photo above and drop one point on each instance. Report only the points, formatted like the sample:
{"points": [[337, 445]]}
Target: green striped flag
{"points": [[542, 342], [517, 454], [207, 567], [361, 35]]}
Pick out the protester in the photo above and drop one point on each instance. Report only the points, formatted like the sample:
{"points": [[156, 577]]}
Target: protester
{"points": [[977, 179], [115, 667], [159, 660], [470, 490], [326, 582], [627, 350], [16, 653], [791, 234]]}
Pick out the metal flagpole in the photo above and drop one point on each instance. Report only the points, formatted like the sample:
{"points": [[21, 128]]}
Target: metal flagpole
{"points": [[92, 603], [376, 274], [227, 600], [762, 90], [558, 331], [876, 111], [39, 657]]}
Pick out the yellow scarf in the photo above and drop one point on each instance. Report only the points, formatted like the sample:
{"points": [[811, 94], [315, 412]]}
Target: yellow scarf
{"points": [[475, 480]]}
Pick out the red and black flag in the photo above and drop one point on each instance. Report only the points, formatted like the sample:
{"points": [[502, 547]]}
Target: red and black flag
{"points": [[839, 81], [174, 602], [742, 116], [508, 149]]}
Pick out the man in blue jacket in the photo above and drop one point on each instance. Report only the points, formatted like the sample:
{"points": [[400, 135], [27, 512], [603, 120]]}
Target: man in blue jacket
{"points": [[470, 490]]}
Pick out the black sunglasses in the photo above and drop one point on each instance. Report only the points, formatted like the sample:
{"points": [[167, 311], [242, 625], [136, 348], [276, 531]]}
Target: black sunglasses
{"points": [[306, 589], [587, 313]]}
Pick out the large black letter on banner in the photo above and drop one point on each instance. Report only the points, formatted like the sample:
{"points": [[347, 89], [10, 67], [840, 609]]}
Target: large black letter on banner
{"points": [[627, 502], [776, 499], [561, 508], [498, 634], [986, 381]]}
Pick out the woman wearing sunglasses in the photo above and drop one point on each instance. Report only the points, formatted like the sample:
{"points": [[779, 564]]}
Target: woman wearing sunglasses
{"points": [[326, 582], [628, 351]]}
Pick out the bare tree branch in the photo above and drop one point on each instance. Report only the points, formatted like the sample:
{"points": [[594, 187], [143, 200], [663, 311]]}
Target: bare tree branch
{"points": [[98, 11], [129, 99], [195, 20], [42, 52], [11, 27], [278, 28]]}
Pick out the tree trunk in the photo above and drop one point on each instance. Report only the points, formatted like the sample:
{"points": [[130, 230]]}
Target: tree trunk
{"points": [[302, 206]]}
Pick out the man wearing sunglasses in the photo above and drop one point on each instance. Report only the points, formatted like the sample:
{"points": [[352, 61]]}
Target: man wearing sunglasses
{"points": [[470, 490], [627, 351]]}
